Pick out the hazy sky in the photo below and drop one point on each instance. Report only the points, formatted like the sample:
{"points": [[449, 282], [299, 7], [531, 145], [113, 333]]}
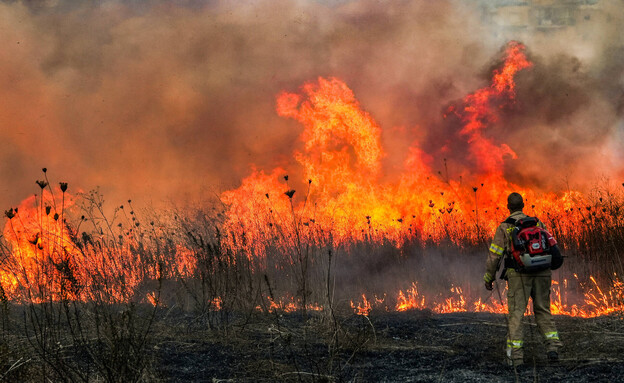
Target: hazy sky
{"points": [[159, 101]]}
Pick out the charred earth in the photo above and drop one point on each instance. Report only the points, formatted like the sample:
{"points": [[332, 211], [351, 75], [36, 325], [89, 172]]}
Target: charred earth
{"points": [[413, 346]]}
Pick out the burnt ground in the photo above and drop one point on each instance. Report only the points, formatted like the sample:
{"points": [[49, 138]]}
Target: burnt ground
{"points": [[415, 346]]}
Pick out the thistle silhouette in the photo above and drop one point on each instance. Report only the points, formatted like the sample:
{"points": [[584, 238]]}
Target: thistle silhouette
{"points": [[35, 239], [10, 213], [290, 193]]}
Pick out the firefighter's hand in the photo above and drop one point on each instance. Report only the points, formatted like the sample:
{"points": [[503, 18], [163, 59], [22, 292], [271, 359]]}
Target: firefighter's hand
{"points": [[489, 280]]}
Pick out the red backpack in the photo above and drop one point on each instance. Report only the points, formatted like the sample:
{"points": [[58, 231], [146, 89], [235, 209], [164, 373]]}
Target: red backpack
{"points": [[531, 245]]}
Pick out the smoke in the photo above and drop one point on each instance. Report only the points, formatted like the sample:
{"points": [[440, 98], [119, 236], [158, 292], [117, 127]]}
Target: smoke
{"points": [[377, 271], [172, 100]]}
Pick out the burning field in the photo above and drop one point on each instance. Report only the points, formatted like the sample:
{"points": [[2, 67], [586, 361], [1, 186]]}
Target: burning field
{"points": [[348, 240]]}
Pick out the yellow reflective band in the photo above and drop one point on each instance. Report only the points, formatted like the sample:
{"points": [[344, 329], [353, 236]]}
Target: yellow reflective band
{"points": [[514, 343], [496, 249], [552, 335], [488, 278]]}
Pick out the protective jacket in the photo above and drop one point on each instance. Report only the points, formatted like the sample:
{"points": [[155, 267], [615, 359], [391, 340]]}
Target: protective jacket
{"points": [[501, 245]]}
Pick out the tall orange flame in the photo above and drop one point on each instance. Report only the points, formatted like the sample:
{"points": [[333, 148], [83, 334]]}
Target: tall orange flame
{"points": [[341, 158], [344, 200]]}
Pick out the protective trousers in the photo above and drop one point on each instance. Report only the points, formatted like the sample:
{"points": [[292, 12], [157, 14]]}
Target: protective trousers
{"points": [[521, 286]]}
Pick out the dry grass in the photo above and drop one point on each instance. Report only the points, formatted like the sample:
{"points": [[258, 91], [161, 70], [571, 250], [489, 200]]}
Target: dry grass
{"points": [[127, 290]]}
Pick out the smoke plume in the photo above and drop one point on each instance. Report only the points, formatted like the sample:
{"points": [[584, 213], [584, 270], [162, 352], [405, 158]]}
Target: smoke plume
{"points": [[174, 100]]}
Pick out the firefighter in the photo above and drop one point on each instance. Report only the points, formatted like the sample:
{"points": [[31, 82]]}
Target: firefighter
{"points": [[522, 285]]}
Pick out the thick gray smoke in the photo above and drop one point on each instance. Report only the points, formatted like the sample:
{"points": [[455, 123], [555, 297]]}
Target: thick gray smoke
{"points": [[174, 100]]}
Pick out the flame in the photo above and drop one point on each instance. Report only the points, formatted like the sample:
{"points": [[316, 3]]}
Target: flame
{"points": [[50, 261], [593, 301], [344, 198], [288, 305], [43, 249], [53, 266], [365, 307], [346, 194], [341, 160]]}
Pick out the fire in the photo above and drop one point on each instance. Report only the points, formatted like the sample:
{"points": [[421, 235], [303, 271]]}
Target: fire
{"points": [[341, 198], [341, 158], [478, 114], [595, 303], [592, 302], [347, 195], [366, 306], [54, 264], [42, 248], [51, 262], [288, 305], [410, 299]]}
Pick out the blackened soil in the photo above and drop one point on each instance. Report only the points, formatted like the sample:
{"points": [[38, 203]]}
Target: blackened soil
{"points": [[415, 346]]}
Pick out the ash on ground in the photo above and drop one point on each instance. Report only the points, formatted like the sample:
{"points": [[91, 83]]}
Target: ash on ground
{"points": [[415, 346]]}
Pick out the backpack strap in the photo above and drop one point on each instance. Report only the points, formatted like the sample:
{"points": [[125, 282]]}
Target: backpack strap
{"points": [[509, 260]]}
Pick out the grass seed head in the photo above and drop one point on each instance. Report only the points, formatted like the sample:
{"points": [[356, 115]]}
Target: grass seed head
{"points": [[10, 213]]}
